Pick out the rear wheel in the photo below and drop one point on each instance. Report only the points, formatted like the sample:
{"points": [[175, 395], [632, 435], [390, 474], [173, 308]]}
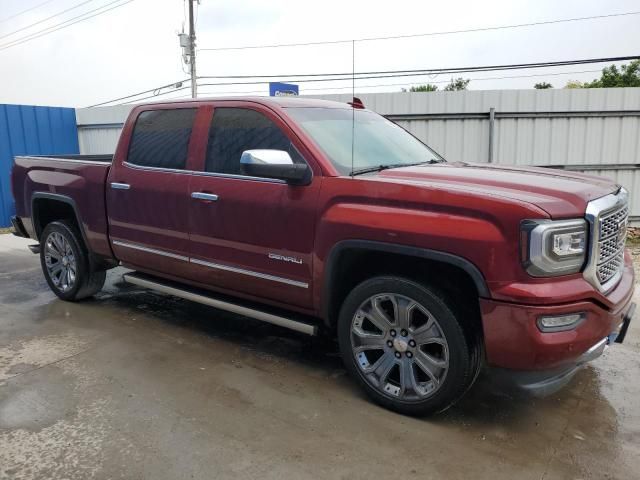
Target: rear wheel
{"points": [[405, 345], [65, 263]]}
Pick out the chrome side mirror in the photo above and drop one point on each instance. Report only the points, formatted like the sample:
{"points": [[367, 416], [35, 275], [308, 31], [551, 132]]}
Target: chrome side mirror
{"points": [[274, 164]]}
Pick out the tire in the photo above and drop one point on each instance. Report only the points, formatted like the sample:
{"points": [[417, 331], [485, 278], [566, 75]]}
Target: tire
{"points": [[417, 366], [62, 239]]}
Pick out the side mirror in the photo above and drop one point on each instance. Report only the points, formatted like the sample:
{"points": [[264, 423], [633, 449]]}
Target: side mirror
{"points": [[274, 164]]}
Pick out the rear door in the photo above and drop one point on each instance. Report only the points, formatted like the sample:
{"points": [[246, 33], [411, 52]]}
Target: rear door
{"points": [[147, 192], [252, 235]]}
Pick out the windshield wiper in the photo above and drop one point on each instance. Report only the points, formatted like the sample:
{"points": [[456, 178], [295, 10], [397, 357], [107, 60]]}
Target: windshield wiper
{"points": [[379, 168]]}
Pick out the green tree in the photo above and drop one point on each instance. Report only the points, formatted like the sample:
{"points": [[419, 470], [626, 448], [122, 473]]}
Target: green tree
{"points": [[574, 84], [626, 76], [429, 87], [457, 84], [542, 85]]}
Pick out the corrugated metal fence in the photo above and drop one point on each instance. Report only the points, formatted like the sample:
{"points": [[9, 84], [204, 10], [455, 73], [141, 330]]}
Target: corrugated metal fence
{"points": [[591, 130], [31, 130], [596, 131]]}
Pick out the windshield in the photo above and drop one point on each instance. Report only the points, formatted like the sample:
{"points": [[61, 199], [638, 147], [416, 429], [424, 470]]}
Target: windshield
{"points": [[378, 141]]}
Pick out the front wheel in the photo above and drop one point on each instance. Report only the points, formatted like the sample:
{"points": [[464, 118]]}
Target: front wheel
{"points": [[65, 263], [405, 346]]}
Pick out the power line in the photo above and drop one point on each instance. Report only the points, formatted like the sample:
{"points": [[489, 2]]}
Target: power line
{"points": [[25, 11], [422, 72], [485, 68], [62, 25], [46, 19], [348, 87], [427, 34], [152, 96], [155, 89], [382, 74]]}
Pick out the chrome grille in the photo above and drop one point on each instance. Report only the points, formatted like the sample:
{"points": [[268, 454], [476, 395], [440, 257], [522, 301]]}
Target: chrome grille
{"points": [[610, 223], [610, 268], [612, 227]]}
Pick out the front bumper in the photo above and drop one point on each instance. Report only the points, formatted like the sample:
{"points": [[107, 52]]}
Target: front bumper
{"points": [[546, 382], [513, 340]]}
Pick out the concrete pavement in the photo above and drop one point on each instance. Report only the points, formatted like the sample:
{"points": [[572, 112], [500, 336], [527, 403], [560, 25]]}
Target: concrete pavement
{"points": [[138, 385]]}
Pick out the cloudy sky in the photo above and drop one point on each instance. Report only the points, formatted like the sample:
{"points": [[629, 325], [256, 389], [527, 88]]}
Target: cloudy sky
{"points": [[134, 46]]}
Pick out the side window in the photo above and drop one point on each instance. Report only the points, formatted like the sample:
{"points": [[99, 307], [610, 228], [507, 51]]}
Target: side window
{"points": [[161, 138], [234, 130]]}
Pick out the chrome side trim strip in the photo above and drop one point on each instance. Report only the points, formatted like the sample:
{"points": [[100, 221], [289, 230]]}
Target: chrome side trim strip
{"points": [[135, 246], [204, 174], [222, 305], [217, 266], [120, 186], [251, 273]]}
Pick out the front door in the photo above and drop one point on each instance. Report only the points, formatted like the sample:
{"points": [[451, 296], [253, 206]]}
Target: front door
{"points": [[252, 235], [148, 193]]}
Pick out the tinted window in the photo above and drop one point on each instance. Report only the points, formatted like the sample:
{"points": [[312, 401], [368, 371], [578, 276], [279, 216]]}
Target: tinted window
{"points": [[161, 138], [234, 130]]}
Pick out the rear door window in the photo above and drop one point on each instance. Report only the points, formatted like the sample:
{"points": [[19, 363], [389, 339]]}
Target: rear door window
{"points": [[160, 138]]}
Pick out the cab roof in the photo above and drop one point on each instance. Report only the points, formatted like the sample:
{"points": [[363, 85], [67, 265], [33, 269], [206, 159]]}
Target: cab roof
{"points": [[274, 102]]}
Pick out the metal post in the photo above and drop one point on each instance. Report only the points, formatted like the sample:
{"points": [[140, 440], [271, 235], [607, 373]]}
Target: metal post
{"points": [[492, 122], [192, 51]]}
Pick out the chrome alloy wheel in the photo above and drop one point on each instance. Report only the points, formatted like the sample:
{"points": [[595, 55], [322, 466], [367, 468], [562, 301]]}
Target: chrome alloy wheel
{"points": [[399, 347], [60, 261]]}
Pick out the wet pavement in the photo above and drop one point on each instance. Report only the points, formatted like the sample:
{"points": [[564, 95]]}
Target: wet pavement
{"points": [[136, 385]]}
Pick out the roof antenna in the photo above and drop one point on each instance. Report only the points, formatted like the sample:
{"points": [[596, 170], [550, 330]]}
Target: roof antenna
{"points": [[353, 103]]}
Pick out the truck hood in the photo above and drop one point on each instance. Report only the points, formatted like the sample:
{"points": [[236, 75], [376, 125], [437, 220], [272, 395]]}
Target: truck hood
{"points": [[559, 193]]}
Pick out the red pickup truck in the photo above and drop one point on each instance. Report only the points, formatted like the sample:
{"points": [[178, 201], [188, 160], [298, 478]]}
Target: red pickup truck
{"points": [[326, 217]]}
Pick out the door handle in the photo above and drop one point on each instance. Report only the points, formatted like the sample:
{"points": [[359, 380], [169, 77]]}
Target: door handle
{"points": [[204, 196], [120, 186]]}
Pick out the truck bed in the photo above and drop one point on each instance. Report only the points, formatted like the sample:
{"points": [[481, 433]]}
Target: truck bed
{"points": [[76, 180]]}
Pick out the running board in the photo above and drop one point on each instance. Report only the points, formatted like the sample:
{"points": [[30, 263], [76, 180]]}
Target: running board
{"points": [[206, 298]]}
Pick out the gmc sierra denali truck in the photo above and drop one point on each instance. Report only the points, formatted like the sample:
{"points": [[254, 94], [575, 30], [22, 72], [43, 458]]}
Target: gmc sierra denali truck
{"points": [[327, 218]]}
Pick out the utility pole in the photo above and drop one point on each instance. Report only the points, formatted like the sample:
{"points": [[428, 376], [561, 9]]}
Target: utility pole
{"points": [[192, 51]]}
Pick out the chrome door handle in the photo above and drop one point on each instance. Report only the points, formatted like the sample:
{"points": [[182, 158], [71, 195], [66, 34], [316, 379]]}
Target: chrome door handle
{"points": [[204, 196], [120, 186]]}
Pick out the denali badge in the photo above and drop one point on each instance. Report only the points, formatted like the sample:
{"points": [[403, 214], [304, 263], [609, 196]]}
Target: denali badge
{"points": [[282, 258]]}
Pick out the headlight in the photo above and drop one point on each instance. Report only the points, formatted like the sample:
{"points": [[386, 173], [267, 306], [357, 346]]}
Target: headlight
{"points": [[552, 248]]}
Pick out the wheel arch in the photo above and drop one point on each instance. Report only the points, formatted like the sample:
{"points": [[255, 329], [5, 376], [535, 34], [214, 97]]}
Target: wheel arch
{"points": [[40, 219], [344, 253]]}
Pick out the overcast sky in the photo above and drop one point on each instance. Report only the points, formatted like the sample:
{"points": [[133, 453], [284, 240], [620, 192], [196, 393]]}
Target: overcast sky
{"points": [[135, 47]]}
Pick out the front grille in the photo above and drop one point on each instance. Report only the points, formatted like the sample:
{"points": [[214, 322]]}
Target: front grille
{"points": [[611, 239], [610, 222]]}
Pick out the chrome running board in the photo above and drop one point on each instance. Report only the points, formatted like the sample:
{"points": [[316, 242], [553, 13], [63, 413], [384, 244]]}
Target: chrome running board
{"points": [[206, 298]]}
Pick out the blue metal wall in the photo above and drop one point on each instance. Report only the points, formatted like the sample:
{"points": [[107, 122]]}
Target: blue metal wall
{"points": [[31, 130]]}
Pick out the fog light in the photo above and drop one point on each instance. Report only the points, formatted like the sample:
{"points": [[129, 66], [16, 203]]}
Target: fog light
{"points": [[560, 323]]}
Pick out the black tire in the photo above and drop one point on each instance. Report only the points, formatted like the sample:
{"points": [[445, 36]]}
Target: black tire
{"points": [[86, 282], [464, 345]]}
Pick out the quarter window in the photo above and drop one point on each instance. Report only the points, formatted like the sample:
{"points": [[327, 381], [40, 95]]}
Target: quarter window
{"points": [[234, 130], [161, 138]]}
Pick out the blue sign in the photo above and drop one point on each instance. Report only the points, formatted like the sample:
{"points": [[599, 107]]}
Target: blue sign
{"points": [[277, 89]]}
